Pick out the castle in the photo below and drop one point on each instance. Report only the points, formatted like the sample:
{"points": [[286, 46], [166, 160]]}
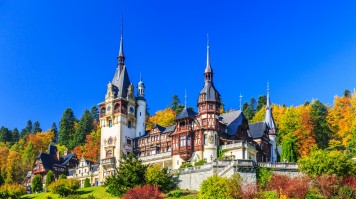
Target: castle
{"points": [[195, 136]]}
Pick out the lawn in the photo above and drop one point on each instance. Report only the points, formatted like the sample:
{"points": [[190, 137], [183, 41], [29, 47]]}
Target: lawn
{"points": [[97, 192]]}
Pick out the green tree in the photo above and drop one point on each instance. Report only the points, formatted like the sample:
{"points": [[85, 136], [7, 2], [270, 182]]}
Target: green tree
{"points": [[37, 184], [36, 127], [264, 176], [321, 162], [233, 186], [213, 187], [175, 104], [15, 136], [318, 112], [5, 135], [347, 93], [95, 113], [54, 130], [49, 178], [66, 127], [249, 110], [85, 126], [86, 183], [62, 176], [131, 173], [64, 187], [289, 152], [160, 177], [261, 102]]}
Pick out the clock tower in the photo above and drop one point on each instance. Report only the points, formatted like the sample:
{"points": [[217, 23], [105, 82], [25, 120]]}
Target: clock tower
{"points": [[117, 119]]}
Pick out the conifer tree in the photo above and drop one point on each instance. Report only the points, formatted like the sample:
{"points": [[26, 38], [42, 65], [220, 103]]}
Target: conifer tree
{"points": [[54, 130], [85, 126], [36, 127], [261, 102], [49, 178], [318, 113], [95, 113], [5, 135], [175, 104], [15, 136], [66, 127]]}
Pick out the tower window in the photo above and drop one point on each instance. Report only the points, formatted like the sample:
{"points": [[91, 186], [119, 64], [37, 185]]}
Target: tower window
{"points": [[103, 110], [109, 153], [211, 107], [140, 113], [110, 123], [117, 107], [129, 124]]}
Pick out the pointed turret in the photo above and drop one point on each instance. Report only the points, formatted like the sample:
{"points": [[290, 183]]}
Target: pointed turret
{"points": [[208, 73], [121, 57], [268, 116]]}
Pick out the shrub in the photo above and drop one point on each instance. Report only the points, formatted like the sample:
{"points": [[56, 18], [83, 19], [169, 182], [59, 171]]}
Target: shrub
{"points": [[328, 185], [64, 187], [200, 162], [62, 176], [213, 187], [185, 165], [12, 191], [143, 192], [263, 176], [290, 187], [346, 193], [175, 193], [249, 191], [160, 177], [86, 183], [349, 181], [49, 178], [270, 195], [233, 186], [37, 185]]}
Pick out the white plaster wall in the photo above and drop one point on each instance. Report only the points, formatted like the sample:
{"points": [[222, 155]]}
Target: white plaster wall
{"points": [[210, 148], [140, 122]]}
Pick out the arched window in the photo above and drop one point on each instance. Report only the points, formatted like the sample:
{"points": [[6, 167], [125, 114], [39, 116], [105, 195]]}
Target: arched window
{"points": [[109, 153], [103, 110], [129, 124], [117, 107]]}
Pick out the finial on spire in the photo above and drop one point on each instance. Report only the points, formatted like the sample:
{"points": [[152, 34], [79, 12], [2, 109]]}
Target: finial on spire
{"points": [[208, 67], [240, 102], [140, 77], [185, 98], [268, 100]]}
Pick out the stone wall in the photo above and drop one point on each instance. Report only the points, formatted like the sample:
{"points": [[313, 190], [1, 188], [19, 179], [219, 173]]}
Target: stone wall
{"points": [[192, 177]]}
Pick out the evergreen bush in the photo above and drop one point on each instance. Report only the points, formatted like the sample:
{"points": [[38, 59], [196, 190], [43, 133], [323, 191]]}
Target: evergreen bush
{"points": [[64, 187]]}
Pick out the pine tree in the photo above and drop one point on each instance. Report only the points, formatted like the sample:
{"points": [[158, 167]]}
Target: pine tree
{"points": [[261, 102], [49, 178], [27, 130], [36, 127], [86, 183], [95, 113], [37, 184], [5, 135], [175, 104], [54, 130], [15, 136], [66, 127], [318, 113], [131, 173], [85, 126]]}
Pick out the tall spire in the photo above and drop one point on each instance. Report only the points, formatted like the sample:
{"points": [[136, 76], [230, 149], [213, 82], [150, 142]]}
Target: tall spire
{"points": [[208, 73], [121, 56], [268, 116], [240, 102], [185, 98]]}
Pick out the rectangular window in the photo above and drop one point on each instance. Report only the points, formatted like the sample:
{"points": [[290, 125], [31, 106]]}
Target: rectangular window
{"points": [[128, 141], [204, 122], [188, 140], [182, 141], [211, 107], [110, 123]]}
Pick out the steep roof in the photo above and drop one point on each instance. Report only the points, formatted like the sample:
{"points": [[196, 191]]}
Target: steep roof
{"points": [[233, 120], [186, 113], [169, 129], [210, 92], [160, 128], [121, 81], [256, 130]]}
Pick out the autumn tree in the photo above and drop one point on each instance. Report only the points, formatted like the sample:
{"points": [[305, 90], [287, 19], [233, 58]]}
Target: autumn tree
{"points": [[162, 117], [14, 170], [40, 141], [66, 127], [85, 126]]}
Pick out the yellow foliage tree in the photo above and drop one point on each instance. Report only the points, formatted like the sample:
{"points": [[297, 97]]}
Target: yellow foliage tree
{"points": [[162, 117], [259, 116], [40, 141]]}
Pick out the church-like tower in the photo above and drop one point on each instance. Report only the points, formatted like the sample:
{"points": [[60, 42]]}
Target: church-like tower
{"points": [[208, 111], [272, 134], [141, 109], [117, 118]]}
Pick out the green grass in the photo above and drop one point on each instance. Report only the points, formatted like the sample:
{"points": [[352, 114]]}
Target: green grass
{"points": [[97, 192]]}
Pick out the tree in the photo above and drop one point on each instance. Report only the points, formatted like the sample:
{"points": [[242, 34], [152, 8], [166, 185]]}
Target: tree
{"points": [[36, 127], [213, 187], [249, 110], [321, 162], [261, 102], [175, 104], [64, 187], [37, 184], [5, 135], [40, 141], [131, 173], [27, 130], [54, 130], [66, 127], [14, 171], [49, 178], [94, 113], [85, 126], [347, 93], [160, 177], [62, 176], [289, 153], [318, 114], [86, 183], [15, 136], [162, 117], [233, 186]]}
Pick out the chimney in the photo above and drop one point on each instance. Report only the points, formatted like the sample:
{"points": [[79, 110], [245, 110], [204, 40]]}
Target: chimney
{"points": [[57, 155]]}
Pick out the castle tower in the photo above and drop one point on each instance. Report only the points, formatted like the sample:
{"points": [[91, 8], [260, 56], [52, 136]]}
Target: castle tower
{"points": [[141, 109], [208, 111], [117, 118], [272, 128]]}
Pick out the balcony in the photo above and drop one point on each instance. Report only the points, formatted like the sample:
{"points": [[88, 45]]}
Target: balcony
{"points": [[155, 157], [184, 128], [108, 162], [38, 170]]}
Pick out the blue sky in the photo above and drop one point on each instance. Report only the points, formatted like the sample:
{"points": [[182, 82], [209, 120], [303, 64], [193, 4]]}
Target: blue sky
{"points": [[59, 54]]}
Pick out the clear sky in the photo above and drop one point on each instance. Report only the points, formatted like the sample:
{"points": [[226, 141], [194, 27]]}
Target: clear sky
{"points": [[59, 54]]}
